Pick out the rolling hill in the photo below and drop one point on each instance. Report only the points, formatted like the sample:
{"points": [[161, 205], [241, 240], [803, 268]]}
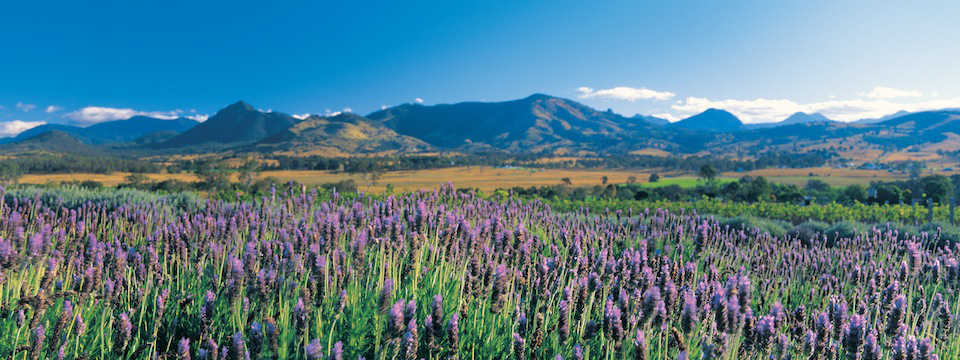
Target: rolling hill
{"points": [[342, 134], [51, 142]]}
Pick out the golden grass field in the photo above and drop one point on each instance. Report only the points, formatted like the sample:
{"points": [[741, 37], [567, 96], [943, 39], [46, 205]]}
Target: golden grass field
{"points": [[482, 177], [832, 176], [491, 178]]}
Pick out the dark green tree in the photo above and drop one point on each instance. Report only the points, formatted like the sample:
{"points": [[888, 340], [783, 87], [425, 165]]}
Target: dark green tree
{"points": [[707, 172], [937, 188]]}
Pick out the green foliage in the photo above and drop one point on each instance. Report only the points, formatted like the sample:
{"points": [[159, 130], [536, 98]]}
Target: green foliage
{"points": [[937, 188], [747, 223], [343, 186], [707, 172]]}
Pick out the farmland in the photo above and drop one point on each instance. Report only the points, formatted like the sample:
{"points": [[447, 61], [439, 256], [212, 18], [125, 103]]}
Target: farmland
{"points": [[481, 177], [488, 178]]}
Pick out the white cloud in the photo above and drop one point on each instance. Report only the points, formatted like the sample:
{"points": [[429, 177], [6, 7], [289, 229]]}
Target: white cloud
{"points": [[346, 110], [624, 93], [52, 109], [383, 107], [96, 114], [668, 116], [769, 110], [883, 92], [14, 127], [198, 117], [418, 100], [301, 116], [25, 107]]}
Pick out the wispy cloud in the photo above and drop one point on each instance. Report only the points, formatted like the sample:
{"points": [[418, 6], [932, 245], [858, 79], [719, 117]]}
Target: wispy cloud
{"points": [[96, 114], [624, 93], [15, 127], [328, 112], [668, 116], [418, 100], [52, 109], [883, 92], [198, 117], [301, 116], [25, 107]]}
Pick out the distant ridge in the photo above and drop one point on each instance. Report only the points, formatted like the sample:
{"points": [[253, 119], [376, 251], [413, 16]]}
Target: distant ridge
{"points": [[795, 118], [652, 119], [714, 120], [536, 123], [539, 124], [110, 132]]}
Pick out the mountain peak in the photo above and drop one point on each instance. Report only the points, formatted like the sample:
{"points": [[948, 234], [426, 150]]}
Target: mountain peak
{"points": [[539, 96], [234, 124], [800, 117], [239, 105], [712, 119]]}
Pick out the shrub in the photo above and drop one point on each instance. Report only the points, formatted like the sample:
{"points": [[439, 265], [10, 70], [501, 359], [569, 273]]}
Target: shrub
{"points": [[808, 232]]}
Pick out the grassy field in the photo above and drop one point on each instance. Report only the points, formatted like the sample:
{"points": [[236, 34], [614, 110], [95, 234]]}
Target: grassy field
{"points": [[481, 177], [832, 176], [490, 178]]}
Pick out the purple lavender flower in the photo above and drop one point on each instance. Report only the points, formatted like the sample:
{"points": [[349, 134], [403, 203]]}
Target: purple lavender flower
{"points": [[639, 345], [314, 350], [437, 313], [337, 352], [453, 331], [183, 349], [39, 336], [162, 301], [397, 322], [563, 325], [124, 330], [853, 337], [238, 349], [500, 283], [688, 316], [519, 346], [256, 338], [385, 295], [411, 339]]}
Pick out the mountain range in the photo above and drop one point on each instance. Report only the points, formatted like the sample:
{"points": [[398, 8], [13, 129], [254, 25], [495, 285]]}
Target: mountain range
{"points": [[117, 131], [537, 124]]}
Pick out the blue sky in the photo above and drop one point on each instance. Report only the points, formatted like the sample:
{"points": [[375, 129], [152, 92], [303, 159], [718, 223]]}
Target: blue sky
{"points": [[70, 62]]}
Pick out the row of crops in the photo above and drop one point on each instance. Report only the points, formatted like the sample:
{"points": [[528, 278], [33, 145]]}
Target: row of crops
{"points": [[795, 213]]}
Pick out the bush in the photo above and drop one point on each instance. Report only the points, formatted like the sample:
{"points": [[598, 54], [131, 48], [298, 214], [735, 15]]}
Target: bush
{"points": [[845, 229], [344, 186], [775, 228], [808, 232]]}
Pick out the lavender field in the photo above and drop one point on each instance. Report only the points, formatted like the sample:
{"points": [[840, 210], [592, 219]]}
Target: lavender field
{"points": [[450, 275]]}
